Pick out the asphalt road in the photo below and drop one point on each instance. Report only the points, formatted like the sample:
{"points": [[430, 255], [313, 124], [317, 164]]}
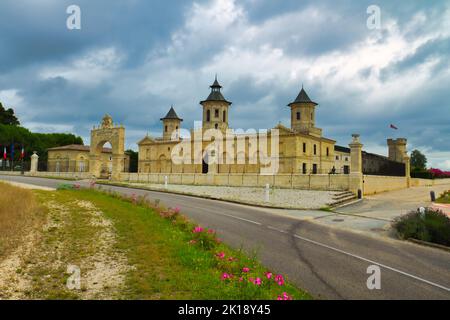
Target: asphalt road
{"points": [[329, 263]]}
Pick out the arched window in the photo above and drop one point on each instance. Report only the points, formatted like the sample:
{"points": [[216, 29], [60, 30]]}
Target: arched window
{"points": [[298, 115], [216, 126], [208, 115], [165, 128]]}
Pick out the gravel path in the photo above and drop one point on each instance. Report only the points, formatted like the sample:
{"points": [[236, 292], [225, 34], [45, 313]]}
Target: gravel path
{"points": [[287, 198]]}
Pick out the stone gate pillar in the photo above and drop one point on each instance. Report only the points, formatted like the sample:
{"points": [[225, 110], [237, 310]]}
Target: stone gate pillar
{"points": [[117, 167], [407, 162], [356, 172], [34, 163], [95, 165]]}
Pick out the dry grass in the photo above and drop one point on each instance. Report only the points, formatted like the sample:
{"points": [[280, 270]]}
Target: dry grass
{"points": [[17, 213]]}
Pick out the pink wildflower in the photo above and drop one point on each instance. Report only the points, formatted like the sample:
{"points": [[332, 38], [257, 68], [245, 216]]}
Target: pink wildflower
{"points": [[245, 269], [176, 210], [220, 255], [257, 281], [241, 279], [284, 296], [226, 276], [197, 230], [268, 275], [279, 279]]}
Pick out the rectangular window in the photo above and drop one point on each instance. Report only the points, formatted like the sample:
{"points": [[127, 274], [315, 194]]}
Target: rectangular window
{"points": [[328, 152], [216, 113], [337, 157], [304, 168], [315, 149], [304, 147], [298, 115], [314, 168]]}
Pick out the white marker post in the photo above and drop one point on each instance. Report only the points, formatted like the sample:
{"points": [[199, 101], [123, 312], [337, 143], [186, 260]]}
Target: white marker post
{"points": [[267, 193], [166, 180]]}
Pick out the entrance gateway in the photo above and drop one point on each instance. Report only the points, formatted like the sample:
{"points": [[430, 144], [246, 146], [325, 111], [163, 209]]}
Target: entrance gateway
{"points": [[115, 135]]}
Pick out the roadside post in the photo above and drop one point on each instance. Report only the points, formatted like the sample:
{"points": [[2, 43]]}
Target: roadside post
{"points": [[433, 196], [267, 193], [166, 180]]}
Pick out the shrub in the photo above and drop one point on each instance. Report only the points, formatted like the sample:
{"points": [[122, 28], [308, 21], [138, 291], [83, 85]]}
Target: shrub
{"points": [[444, 198], [65, 186], [432, 225]]}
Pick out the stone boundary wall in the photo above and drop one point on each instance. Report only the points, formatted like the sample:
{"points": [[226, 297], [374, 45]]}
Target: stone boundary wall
{"points": [[416, 182], [378, 184], [67, 175], [291, 181]]}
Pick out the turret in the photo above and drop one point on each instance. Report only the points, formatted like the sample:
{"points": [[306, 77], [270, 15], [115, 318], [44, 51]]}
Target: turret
{"points": [[303, 113], [397, 149], [171, 123], [215, 109]]}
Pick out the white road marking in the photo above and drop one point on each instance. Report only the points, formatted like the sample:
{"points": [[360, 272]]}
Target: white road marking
{"points": [[279, 230], [347, 253], [239, 218], [373, 262]]}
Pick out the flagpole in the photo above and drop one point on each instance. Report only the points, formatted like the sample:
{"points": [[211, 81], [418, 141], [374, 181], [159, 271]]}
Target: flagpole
{"points": [[22, 155]]}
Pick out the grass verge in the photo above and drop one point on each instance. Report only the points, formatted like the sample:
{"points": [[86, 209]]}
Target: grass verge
{"points": [[174, 259]]}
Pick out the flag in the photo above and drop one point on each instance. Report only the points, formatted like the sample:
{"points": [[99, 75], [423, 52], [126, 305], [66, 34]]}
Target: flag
{"points": [[394, 127], [22, 153], [4, 153]]}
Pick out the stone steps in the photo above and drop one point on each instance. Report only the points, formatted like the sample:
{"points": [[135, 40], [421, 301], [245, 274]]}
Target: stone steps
{"points": [[342, 197]]}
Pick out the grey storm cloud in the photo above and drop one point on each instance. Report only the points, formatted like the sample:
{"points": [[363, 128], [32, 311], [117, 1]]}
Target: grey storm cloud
{"points": [[133, 59]]}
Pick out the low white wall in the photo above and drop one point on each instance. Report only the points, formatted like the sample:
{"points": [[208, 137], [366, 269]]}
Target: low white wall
{"points": [[416, 182], [295, 181], [377, 184]]}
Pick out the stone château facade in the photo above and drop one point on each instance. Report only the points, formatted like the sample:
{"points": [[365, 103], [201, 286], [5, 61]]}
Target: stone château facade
{"points": [[301, 147]]}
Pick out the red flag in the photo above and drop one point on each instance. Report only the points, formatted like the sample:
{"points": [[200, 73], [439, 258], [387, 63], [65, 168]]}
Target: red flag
{"points": [[4, 153], [394, 127], [22, 153]]}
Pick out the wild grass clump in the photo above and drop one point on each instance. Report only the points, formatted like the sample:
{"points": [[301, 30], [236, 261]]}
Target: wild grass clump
{"points": [[430, 225], [17, 209]]}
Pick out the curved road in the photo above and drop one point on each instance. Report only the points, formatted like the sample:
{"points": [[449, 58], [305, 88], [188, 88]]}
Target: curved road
{"points": [[330, 263]]}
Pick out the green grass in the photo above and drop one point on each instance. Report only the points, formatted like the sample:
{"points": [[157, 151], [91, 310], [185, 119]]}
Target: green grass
{"points": [[444, 198], [166, 266]]}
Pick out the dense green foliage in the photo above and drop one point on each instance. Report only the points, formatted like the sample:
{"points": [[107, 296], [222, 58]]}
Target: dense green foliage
{"points": [[432, 226], [39, 142], [418, 161], [8, 117], [133, 160]]}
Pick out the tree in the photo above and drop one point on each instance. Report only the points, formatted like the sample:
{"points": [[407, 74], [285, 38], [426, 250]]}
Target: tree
{"points": [[418, 160], [39, 142], [7, 117], [134, 159]]}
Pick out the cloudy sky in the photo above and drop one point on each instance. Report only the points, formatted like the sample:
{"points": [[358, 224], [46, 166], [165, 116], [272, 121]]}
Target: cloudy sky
{"points": [[134, 58]]}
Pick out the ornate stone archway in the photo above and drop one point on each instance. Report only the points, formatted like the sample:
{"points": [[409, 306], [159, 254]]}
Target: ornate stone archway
{"points": [[115, 135]]}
